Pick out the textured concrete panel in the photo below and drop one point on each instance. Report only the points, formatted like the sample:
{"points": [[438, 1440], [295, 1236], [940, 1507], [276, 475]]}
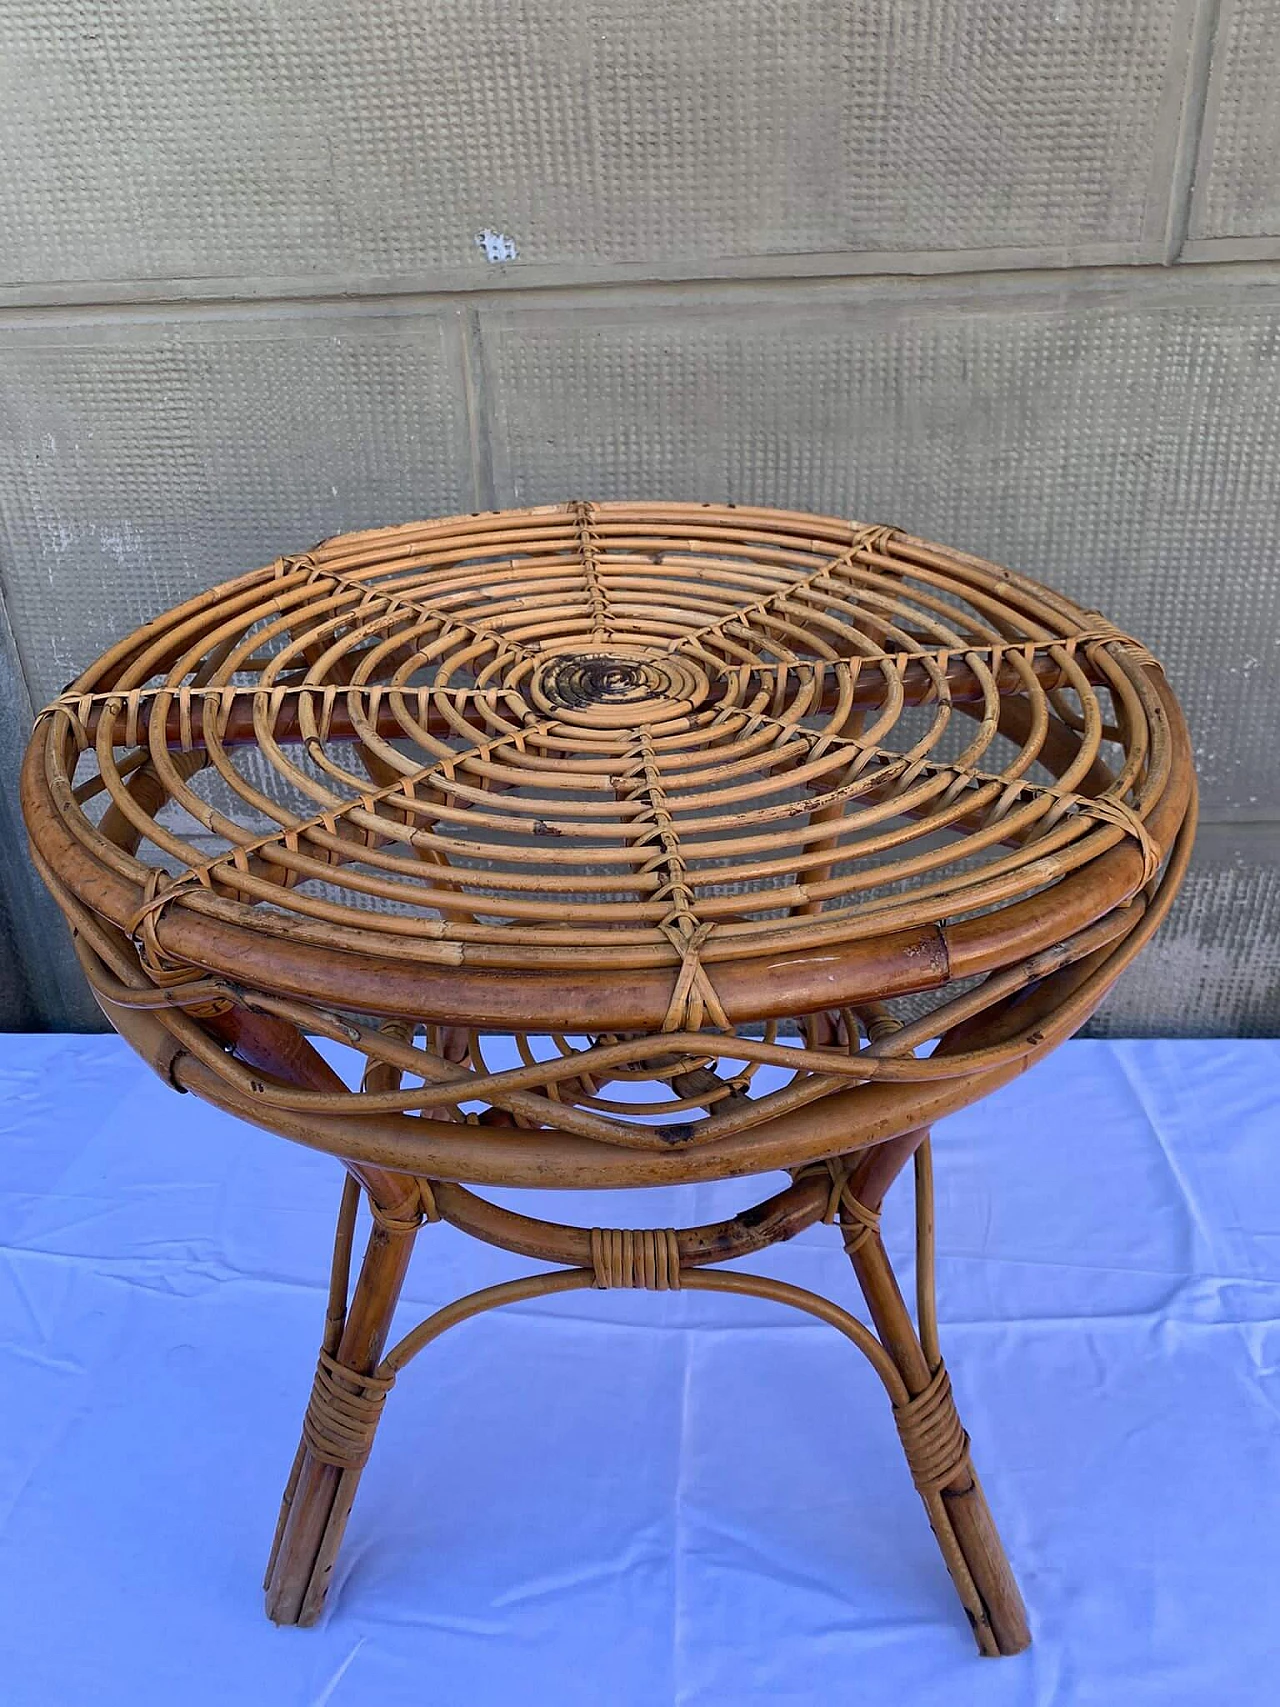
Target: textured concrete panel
{"points": [[40, 982], [140, 463], [15, 1001], [1118, 433], [177, 140], [1125, 448], [1237, 190], [1214, 970]]}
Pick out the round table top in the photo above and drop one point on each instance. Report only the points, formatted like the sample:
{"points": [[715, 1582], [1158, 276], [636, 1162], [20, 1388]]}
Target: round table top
{"points": [[612, 766]]}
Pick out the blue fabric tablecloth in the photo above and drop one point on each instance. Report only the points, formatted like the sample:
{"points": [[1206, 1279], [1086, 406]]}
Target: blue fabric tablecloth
{"points": [[646, 1500]]}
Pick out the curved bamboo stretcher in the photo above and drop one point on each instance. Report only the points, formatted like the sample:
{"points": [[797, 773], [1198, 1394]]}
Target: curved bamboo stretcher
{"points": [[770, 837]]}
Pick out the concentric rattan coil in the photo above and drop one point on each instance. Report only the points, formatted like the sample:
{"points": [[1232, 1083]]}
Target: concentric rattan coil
{"points": [[628, 770]]}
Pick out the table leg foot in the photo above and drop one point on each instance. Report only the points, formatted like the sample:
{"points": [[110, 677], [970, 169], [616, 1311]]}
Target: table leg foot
{"points": [[979, 1544]]}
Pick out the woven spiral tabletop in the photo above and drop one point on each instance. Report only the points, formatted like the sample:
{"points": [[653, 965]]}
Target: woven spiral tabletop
{"points": [[724, 813]]}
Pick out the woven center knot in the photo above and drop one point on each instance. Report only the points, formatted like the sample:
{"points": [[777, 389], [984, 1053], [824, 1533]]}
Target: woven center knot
{"points": [[581, 681], [614, 689]]}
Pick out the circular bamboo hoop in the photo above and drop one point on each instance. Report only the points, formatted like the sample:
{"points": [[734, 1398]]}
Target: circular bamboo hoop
{"points": [[629, 781]]}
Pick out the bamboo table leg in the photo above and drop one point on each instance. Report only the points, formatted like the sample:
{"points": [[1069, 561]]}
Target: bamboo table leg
{"points": [[342, 1415], [936, 1445], [354, 1377], [346, 1398]]}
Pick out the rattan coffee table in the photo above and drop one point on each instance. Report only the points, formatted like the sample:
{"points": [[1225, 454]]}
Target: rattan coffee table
{"points": [[725, 815]]}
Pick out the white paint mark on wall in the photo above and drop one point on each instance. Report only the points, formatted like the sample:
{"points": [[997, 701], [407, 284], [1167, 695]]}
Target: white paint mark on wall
{"points": [[497, 245], [123, 542], [56, 537]]}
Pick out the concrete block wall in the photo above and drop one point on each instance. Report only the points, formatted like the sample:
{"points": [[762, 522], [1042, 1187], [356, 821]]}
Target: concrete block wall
{"points": [[1003, 272]]}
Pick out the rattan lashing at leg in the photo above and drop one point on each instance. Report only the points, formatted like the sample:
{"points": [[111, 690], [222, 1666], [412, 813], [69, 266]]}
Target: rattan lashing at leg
{"points": [[932, 1435], [858, 1223], [398, 1224], [343, 1412]]}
